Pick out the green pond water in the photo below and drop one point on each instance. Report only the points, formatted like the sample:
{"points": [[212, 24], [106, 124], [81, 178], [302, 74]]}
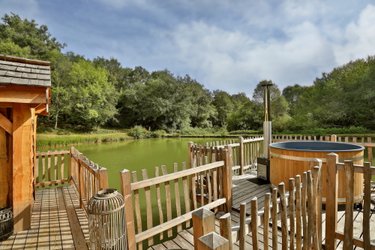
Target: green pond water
{"points": [[136, 155]]}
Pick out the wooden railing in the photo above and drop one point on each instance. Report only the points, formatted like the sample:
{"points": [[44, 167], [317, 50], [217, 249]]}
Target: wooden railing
{"points": [[333, 166], [366, 141], [299, 212], [244, 153], [51, 168], [88, 177], [171, 198], [62, 167]]}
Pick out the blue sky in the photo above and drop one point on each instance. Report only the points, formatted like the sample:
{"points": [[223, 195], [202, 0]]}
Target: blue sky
{"points": [[224, 44]]}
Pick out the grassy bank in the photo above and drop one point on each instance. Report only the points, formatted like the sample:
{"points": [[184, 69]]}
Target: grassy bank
{"points": [[65, 138]]}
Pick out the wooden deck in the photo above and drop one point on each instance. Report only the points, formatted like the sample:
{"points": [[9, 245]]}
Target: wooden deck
{"points": [[244, 189], [56, 222], [59, 223]]}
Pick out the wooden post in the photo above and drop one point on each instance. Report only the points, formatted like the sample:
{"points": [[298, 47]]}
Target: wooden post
{"points": [[366, 205], [203, 223], [227, 179], [254, 223], [274, 219], [316, 192], [191, 154], [22, 177], [212, 241], [242, 232], [103, 178], [266, 218], [226, 228], [284, 223], [333, 138], [298, 213], [129, 219], [369, 150], [292, 213], [348, 229], [331, 201], [242, 155]]}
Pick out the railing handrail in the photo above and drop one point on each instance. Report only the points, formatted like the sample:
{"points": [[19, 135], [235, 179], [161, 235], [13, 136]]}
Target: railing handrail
{"points": [[173, 176]]}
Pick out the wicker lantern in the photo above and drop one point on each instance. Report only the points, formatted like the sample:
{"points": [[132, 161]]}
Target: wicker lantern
{"points": [[6, 223], [107, 220]]}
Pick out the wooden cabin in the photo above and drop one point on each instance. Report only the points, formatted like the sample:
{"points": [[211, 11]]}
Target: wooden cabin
{"points": [[24, 94]]}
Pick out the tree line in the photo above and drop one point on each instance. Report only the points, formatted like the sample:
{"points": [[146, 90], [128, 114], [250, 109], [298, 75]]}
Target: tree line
{"points": [[87, 94]]}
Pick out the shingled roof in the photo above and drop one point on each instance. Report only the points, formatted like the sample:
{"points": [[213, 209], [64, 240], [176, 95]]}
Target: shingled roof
{"points": [[22, 71]]}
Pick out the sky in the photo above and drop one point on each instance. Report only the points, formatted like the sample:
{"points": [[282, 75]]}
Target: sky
{"points": [[229, 45]]}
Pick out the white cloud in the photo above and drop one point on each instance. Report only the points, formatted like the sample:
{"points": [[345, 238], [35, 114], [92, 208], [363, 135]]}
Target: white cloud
{"points": [[358, 37], [234, 60]]}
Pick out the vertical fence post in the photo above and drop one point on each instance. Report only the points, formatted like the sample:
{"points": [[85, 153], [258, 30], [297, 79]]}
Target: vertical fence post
{"points": [[103, 178], [128, 200], [227, 178], [226, 228], [348, 229], [71, 165], [366, 205], [80, 183], [191, 154], [333, 138], [331, 201], [242, 156], [369, 150], [203, 223]]}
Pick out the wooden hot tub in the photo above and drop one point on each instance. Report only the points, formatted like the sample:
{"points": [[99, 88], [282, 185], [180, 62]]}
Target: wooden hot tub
{"points": [[292, 158]]}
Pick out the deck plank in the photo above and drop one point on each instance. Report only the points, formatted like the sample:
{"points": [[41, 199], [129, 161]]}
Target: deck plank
{"points": [[56, 214]]}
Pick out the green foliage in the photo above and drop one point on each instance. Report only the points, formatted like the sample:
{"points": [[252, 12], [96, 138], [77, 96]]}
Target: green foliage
{"points": [[344, 97], [34, 40], [8, 47], [139, 132]]}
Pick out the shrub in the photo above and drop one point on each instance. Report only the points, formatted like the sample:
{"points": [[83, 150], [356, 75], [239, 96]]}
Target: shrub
{"points": [[158, 133], [139, 132]]}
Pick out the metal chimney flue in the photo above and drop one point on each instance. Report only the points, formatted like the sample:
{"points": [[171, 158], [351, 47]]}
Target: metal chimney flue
{"points": [[263, 163], [267, 124]]}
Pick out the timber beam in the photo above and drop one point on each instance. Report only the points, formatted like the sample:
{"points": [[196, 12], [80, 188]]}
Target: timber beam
{"points": [[6, 124], [24, 94]]}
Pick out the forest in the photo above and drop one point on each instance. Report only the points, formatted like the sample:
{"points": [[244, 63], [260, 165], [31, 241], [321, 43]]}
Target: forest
{"points": [[101, 93]]}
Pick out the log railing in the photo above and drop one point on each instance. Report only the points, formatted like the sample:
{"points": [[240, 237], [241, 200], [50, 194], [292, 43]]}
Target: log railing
{"points": [[51, 168], [333, 166], [88, 177], [62, 167], [244, 153], [296, 211], [170, 199]]}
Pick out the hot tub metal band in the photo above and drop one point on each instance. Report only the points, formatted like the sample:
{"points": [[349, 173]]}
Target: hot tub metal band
{"points": [[307, 159]]}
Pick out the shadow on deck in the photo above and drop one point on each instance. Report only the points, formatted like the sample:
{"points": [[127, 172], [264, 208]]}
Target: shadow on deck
{"points": [[57, 222]]}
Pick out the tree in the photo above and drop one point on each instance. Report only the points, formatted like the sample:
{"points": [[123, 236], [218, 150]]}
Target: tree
{"points": [[200, 102], [93, 98], [224, 105], [292, 95], [32, 40]]}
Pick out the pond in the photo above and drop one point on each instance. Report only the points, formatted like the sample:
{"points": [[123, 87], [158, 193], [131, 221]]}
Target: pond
{"points": [[136, 155]]}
